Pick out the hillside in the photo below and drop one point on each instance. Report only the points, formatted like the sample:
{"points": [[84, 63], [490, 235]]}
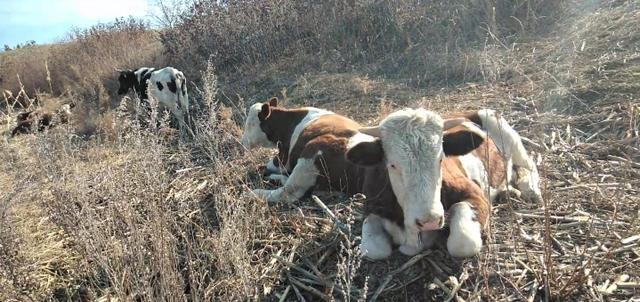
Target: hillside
{"points": [[103, 209]]}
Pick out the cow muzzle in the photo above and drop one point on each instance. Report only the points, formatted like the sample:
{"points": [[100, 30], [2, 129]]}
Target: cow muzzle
{"points": [[432, 222]]}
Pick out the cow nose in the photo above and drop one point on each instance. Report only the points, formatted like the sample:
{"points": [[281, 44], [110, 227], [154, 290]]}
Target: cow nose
{"points": [[434, 222]]}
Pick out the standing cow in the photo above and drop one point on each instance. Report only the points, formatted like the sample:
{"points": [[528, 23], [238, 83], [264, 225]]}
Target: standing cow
{"points": [[167, 85]]}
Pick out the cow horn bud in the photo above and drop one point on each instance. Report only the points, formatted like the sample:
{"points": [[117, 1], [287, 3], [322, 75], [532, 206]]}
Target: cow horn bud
{"points": [[373, 131]]}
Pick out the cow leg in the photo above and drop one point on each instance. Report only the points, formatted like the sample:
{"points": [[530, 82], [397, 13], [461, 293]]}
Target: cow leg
{"points": [[184, 107], [276, 172], [528, 179], [273, 168], [375, 243], [465, 233], [502, 193], [302, 178], [506, 138], [282, 179], [510, 145], [180, 117], [410, 242], [528, 183], [184, 119]]}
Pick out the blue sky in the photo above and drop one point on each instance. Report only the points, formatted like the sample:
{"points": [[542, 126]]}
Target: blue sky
{"points": [[47, 21]]}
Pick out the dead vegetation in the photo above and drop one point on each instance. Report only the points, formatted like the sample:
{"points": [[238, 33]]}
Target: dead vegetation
{"points": [[83, 66], [131, 215]]}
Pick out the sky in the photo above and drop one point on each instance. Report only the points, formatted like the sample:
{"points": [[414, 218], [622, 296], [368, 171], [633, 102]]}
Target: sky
{"points": [[47, 21]]}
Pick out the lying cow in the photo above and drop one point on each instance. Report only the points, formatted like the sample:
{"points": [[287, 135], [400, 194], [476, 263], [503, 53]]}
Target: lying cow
{"points": [[400, 171], [40, 119], [167, 85], [429, 166], [311, 144]]}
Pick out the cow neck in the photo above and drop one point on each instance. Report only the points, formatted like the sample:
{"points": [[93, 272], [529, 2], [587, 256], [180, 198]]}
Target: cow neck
{"points": [[452, 193], [141, 84], [457, 187], [380, 198], [280, 125]]}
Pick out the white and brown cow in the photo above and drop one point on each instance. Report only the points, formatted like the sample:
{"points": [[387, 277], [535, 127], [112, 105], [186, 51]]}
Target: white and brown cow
{"points": [[421, 167], [311, 144]]}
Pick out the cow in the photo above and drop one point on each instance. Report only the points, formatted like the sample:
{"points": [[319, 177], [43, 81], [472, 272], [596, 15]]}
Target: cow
{"points": [[41, 119], [400, 172], [435, 172], [168, 86], [311, 145]]}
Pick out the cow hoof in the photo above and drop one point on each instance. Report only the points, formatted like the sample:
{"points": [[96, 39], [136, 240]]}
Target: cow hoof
{"points": [[261, 193], [504, 195], [274, 196], [376, 250], [531, 195], [282, 179], [513, 191], [409, 250], [529, 184], [463, 246]]}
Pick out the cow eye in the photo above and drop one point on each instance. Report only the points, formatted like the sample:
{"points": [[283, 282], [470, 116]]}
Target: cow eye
{"points": [[392, 166]]}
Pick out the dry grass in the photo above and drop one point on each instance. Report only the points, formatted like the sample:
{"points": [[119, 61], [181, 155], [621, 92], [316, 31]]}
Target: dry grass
{"points": [[425, 41], [84, 66], [132, 214]]}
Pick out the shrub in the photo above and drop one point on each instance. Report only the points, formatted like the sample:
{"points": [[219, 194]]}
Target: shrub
{"points": [[409, 37]]}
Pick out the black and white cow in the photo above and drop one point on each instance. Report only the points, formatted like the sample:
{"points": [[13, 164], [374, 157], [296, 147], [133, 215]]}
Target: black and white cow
{"points": [[168, 86]]}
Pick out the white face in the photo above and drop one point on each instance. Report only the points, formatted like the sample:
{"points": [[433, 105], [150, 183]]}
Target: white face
{"points": [[412, 143], [253, 136]]}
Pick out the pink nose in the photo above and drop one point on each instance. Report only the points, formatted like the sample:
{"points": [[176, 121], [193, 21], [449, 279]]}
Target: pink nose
{"points": [[430, 224]]}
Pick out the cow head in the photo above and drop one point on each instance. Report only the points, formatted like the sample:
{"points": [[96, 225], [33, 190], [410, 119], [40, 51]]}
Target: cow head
{"points": [[412, 143], [127, 80], [254, 135]]}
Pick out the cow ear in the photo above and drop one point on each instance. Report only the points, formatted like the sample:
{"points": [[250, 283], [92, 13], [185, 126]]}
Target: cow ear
{"points": [[273, 102], [265, 112], [367, 153], [461, 142]]}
